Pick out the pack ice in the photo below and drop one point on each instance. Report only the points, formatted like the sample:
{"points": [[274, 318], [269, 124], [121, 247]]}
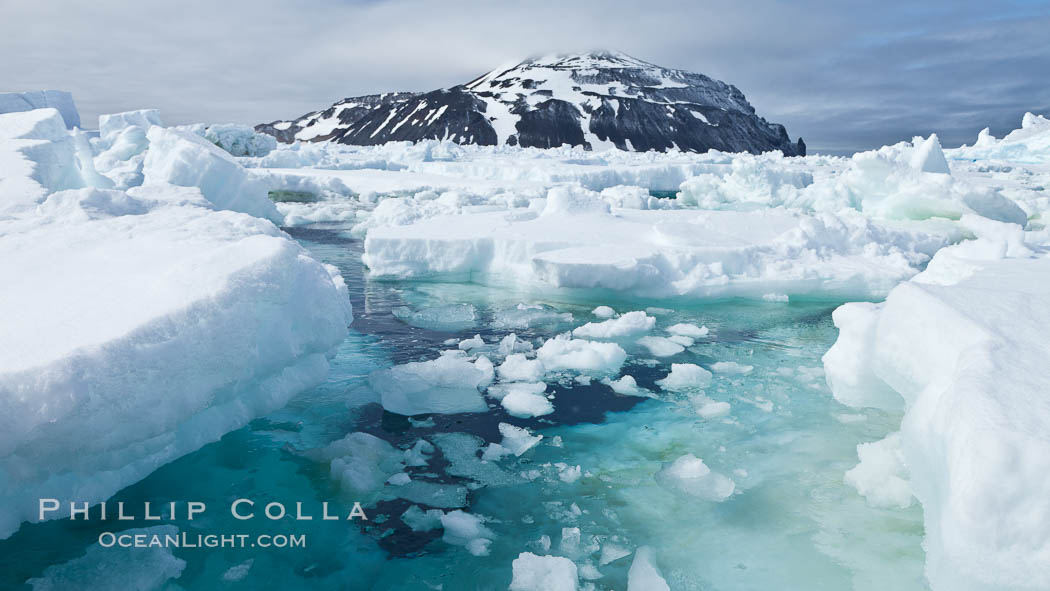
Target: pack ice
{"points": [[141, 324]]}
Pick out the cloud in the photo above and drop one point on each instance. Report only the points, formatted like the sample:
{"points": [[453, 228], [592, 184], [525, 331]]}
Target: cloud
{"points": [[843, 75]]}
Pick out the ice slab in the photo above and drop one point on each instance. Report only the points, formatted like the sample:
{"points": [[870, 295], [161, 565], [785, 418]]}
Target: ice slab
{"points": [[661, 253], [62, 101], [963, 346]]}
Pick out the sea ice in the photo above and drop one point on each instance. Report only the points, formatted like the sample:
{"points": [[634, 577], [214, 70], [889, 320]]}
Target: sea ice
{"points": [[690, 476], [188, 160], [661, 346], [961, 345], [881, 476], [526, 403], [467, 530], [452, 383], [643, 575], [731, 368], [563, 353], [685, 376], [625, 325], [517, 440], [543, 573], [129, 569]]}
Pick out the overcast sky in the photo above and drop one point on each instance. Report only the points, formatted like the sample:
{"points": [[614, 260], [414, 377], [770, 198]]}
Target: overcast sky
{"points": [[842, 74]]}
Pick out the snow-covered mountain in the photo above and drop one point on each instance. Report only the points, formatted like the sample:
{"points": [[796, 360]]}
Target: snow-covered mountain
{"points": [[597, 100]]}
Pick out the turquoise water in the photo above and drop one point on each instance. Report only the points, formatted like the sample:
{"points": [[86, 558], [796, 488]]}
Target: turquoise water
{"points": [[791, 524]]}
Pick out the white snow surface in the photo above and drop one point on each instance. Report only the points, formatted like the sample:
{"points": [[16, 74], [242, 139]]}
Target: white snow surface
{"points": [[143, 324]]}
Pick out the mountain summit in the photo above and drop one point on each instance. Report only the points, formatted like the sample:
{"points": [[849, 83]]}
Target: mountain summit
{"points": [[598, 100]]}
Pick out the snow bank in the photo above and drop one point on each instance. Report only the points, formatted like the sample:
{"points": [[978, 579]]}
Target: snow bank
{"points": [[185, 323], [963, 346]]}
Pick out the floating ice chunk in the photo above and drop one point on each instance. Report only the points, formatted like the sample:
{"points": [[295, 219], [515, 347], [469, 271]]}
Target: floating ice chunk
{"points": [[731, 368], [688, 330], [526, 403], [361, 462], [776, 297], [500, 391], [643, 575], [461, 451], [570, 541], [685, 376], [447, 496], [447, 318], [188, 160], [517, 439], [661, 346], [399, 479], [518, 368], [237, 572], [626, 385], [611, 552], [240, 140], [689, 475], [881, 476], [568, 474], [543, 573], [681, 340], [627, 324], [511, 344], [711, 409], [563, 353], [417, 454], [418, 520], [129, 569], [467, 530], [475, 342], [603, 312], [446, 385], [530, 316]]}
